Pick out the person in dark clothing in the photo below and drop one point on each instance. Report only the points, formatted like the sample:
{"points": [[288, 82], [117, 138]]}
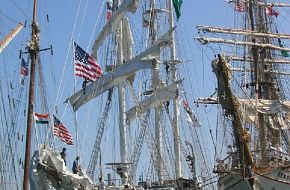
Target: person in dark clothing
{"points": [[63, 155], [76, 166]]}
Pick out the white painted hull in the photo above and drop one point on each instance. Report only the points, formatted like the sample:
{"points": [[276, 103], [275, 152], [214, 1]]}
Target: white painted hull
{"points": [[277, 179], [233, 181]]}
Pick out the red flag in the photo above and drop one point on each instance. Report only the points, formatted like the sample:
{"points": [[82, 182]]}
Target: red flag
{"points": [[61, 131], [24, 68], [271, 12], [109, 15], [191, 118], [109, 10], [240, 7]]}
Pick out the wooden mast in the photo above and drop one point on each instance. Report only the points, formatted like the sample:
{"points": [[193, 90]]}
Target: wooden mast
{"points": [[33, 49], [232, 107]]}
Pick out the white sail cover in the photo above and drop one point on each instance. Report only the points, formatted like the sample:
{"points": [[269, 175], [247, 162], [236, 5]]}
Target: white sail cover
{"points": [[144, 60], [110, 26], [251, 108], [107, 82], [156, 100], [265, 106], [128, 40], [48, 171]]}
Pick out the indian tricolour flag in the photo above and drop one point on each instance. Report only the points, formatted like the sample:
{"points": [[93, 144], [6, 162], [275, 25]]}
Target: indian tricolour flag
{"points": [[41, 118]]}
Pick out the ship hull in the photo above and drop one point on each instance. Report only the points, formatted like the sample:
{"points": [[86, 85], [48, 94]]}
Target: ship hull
{"points": [[277, 179]]}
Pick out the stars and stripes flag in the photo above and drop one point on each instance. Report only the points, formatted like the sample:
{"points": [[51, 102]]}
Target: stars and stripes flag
{"points": [[240, 7], [61, 131], [23, 68], [85, 65]]}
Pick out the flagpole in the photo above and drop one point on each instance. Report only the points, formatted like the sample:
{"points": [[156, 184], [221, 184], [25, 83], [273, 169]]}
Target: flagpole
{"points": [[47, 132]]}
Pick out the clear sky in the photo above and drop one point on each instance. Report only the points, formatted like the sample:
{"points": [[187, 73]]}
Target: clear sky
{"points": [[63, 26]]}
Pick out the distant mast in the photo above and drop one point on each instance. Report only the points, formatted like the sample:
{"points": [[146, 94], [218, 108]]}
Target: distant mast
{"points": [[175, 101], [33, 50], [121, 92], [156, 86]]}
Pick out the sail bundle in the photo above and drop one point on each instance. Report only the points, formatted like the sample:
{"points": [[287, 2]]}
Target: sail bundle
{"points": [[157, 99], [110, 26], [48, 171]]}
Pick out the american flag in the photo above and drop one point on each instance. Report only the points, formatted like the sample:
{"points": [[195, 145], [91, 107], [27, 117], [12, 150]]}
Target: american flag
{"points": [[240, 7], [61, 131], [24, 68], [85, 65]]}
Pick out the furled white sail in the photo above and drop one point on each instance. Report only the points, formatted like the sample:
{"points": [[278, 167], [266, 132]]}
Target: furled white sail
{"points": [[144, 60], [157, 99], [265, 106], [251, 108], [48, 171], [128, 40], [107, 81], [110, 26]]}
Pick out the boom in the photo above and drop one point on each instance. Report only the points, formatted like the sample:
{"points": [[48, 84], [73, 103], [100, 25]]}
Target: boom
{"points": [[10, 36]]}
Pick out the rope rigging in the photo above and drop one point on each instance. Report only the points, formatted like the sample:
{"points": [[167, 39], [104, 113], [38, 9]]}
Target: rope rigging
{"points": [[96, 149]]}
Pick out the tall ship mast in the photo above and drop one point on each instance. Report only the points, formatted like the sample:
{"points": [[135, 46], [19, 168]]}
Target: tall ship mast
{"points": [[252, 94], [113, 114], [124, 72], [22, 79], [33, 51]]}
